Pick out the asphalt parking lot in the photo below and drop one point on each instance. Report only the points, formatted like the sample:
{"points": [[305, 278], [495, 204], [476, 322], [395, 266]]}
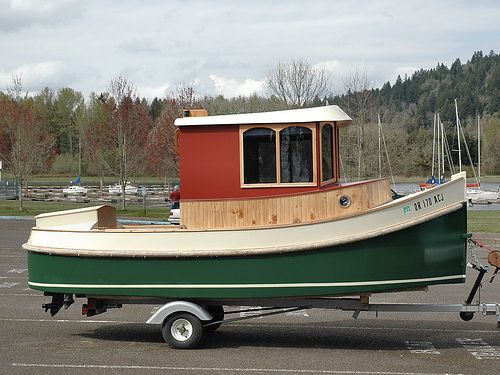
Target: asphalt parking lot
{"points": [[306, 342]]}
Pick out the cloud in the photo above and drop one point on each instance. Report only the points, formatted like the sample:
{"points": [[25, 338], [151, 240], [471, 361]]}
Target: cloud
{"points": [[154, 92], [37, 76], [16, 15], [135, 45], [404, 70], [332, 66], [82, 44], [232, 88]]}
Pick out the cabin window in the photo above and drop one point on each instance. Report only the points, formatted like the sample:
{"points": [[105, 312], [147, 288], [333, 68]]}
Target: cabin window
{"points": [[327, 166], [259, 156], [278, 155], [296, 157]]}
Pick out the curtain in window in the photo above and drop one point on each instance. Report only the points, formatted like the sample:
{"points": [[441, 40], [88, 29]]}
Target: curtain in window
{"points": [[296, 154]]}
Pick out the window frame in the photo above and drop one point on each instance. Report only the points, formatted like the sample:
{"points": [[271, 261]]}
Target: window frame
{"points": [[335, 152], [277, 128]]}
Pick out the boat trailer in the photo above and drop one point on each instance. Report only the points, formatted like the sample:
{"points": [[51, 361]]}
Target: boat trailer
{"points": [[184, 322]]}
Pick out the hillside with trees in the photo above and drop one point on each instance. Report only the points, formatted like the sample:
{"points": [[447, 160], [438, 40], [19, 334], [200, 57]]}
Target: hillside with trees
{"points": [[407, 110], [121, 135]]}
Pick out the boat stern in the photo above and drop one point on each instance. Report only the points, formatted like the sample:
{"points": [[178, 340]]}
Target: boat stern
{"points": [[79, 219]]}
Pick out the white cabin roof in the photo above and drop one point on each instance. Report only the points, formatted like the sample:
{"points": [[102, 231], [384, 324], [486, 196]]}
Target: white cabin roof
{"points": [[318, 114]]}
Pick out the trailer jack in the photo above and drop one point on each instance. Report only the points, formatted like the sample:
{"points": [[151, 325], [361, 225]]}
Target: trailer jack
{"points": [[466, 316]]}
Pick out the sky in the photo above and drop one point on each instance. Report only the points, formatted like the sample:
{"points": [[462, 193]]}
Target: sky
{"points": [[227, 47]]}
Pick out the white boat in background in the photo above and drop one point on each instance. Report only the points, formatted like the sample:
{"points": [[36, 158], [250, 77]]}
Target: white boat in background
{"points": [[475, 192], [478, 195], [75, 189], [117, 189]]}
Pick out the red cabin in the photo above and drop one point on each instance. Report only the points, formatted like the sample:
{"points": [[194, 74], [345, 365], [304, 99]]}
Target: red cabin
{"points": [[232, 165]]}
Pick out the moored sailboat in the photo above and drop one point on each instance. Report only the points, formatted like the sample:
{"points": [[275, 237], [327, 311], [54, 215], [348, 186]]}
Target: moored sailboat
{"points": [[438, 155], [475, 192]]}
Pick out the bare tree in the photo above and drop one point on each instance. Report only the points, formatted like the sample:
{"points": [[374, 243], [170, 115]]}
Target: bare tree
{"points": [[357, 102], [26, 144], [118, 134], [161, 157], [298, 84], [160, 148]]}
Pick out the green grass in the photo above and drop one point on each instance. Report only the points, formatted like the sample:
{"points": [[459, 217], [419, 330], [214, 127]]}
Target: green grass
{"points": [[483, 221], [11, 208], [478, 221]]}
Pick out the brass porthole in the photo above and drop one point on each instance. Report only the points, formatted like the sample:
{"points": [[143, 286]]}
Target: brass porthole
{"points": [[345, 201]]}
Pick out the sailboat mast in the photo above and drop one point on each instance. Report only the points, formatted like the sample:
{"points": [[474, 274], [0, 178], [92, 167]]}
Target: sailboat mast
{"points": [[479, 151], [379, 150], [79, 157], [439, 150], [458, 139], [441, 128], [434, 147]]}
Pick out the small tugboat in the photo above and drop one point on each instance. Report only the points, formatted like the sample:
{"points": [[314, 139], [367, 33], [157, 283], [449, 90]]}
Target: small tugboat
{"points": [[272, 221]]}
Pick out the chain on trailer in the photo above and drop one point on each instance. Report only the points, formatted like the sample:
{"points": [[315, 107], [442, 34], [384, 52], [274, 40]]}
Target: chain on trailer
{"points": [[473, 255], [493, 257]]}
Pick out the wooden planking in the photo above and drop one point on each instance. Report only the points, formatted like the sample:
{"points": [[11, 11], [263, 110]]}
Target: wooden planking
{"points": [[284, 209]]}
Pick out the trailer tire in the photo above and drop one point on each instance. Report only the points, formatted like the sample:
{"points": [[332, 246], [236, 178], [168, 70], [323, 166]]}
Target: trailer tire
{"points": [[217, 311], [182, 330]]}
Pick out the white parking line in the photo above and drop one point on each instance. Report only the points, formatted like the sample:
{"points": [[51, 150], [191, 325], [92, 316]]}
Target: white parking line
{"points": [[6, 284], [86, 321], [13, 277], [222, 369], [421, 347], [479, 348], [444, 330], [17, 270], [260, 325]]}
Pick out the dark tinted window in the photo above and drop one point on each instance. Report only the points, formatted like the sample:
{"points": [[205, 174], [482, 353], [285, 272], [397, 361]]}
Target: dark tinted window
{"points": [[327, 152], [259, 145], [296, 154]]}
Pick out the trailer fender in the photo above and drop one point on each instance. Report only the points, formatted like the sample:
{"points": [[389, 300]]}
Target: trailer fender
{"points": [[179, 306]]}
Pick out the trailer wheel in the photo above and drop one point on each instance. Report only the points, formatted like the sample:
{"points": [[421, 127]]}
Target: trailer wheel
{"points": [[182, 330], [217, 311], [466, 316]]}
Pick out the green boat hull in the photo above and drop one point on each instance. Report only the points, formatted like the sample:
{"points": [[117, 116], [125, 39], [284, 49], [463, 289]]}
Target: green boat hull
{"points": [[430, 253]]}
